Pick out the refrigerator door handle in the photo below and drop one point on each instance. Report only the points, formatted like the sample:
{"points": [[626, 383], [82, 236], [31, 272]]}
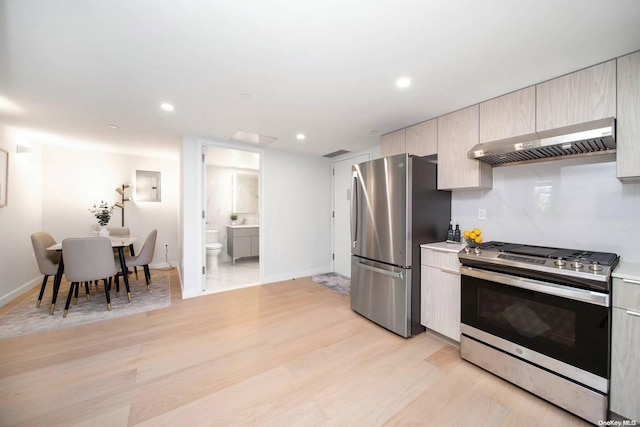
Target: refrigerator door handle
{"points": [[354, 210], [398, 275]]}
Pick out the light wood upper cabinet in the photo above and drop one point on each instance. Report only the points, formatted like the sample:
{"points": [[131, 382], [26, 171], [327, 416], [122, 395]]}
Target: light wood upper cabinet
{"points": [[393, 143], [422, 139], [585, 95], [458, 132], [509, 115], [628, 120]]}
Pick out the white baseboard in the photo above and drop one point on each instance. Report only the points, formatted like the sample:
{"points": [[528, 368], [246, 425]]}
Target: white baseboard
{"points": [[298, 274], [22, 289]]}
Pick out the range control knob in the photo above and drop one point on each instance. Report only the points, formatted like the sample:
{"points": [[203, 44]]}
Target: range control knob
{"points": [[476, 250], [595, 266], [560, 262], [576, 265]]}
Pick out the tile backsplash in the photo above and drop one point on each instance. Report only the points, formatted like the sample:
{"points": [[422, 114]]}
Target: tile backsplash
{"points": [[577, 203]]}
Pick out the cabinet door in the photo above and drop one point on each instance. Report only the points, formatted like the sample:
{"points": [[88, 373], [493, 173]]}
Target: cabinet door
{"points": [[625, 364], [241, 246], [579, 97], [628, 120], [457, 134], [509, 115], [393, 143], [442, 302], [422, 139], [255, 245]]}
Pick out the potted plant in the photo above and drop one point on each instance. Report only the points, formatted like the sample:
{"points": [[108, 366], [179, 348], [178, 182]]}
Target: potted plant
{"points": [[103, 213], [234, 217]]}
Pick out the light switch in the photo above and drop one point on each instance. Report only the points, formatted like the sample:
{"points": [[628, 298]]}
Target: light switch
{"points": [[482, 214]]}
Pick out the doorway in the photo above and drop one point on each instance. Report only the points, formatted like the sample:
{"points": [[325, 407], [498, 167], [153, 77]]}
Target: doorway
{"points": [[231, 216], [341, 212]]}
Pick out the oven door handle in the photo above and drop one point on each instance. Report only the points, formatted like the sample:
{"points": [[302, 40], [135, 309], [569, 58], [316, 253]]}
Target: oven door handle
{"points": [[538, 286]]}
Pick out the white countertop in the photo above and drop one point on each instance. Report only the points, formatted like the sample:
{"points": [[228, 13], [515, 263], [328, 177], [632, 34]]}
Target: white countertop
{"points": [[627, 270], [244, 226], [444, 246]]}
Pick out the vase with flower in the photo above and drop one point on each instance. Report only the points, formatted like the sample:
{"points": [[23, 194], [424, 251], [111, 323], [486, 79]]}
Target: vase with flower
{"points": [[103, 213]]}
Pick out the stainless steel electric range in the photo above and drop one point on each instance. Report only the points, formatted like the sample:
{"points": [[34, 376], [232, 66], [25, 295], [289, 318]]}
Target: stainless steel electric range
{"points": [[540, 318]]}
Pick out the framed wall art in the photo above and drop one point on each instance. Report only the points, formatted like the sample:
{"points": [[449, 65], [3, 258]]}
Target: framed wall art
{"points": [[4, 176]]}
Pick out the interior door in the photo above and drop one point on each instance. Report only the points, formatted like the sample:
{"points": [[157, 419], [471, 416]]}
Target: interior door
{"points": [[341, 211]]}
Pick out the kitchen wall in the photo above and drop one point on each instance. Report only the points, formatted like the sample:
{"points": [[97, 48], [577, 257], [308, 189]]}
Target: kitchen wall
{"points": [[563, 203], [219, 196], [20, 218]]}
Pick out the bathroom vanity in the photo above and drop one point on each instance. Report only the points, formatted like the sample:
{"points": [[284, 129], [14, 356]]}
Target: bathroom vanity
{"points": [[243, 241]]}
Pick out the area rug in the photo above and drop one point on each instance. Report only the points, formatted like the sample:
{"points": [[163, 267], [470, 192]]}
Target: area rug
{"points": [[26, 319], [334, 281]]}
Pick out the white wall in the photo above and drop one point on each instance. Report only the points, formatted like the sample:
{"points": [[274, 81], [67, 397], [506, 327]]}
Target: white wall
{"points": [[575, 204], [296, 212], [76, 179], [19, 219], [297, 215]]}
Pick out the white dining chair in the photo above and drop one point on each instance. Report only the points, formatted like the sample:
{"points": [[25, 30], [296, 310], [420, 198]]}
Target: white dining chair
{"points": [[145, 256], [87, 259], [47, 260]]}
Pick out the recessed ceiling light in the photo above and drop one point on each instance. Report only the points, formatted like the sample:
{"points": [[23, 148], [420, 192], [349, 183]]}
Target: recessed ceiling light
{"points": [[403, 82], [300, 136], [373, 132], [114, 126], [245, 96], [166, 106]]}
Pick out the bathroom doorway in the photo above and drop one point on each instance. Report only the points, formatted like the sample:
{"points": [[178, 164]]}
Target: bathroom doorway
{"points": [[231, 209]]}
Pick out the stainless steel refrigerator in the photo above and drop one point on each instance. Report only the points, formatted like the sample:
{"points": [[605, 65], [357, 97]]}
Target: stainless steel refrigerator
{"points": [[395, 207]]}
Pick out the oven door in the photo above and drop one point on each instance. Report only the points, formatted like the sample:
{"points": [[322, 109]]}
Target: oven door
{"points": [[559, 322]]}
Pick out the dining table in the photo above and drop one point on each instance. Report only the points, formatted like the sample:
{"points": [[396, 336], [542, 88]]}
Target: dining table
{"points": [[117, 242]]}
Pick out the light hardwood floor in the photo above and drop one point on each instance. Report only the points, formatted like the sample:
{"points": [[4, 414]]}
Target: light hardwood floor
{"points": [[284, 354]]}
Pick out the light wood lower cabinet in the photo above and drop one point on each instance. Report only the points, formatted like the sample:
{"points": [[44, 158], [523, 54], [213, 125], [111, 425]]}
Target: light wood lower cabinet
{"points": [[440, 288], [625, 350]]}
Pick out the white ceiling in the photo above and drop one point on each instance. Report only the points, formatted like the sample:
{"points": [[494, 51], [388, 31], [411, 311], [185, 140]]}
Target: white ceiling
{"points": [[323, 67]]}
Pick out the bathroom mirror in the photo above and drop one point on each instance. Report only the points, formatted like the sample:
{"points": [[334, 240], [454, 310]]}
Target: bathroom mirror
{"points": [[245, 193]]}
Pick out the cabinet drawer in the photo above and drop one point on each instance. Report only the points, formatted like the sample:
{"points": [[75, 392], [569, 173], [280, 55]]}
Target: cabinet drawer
{"points": [[243, 232], [445, 260], [626, 294], [625, 364]]}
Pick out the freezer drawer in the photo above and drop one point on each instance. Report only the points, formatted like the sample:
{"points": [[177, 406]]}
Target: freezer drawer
{"points": [[382, 293]]}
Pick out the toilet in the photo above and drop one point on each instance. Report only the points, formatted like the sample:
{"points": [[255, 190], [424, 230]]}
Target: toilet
{"points": [[213, 249]]}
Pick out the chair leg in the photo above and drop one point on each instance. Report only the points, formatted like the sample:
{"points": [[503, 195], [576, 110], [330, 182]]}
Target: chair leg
{"points": [[117, 286], [44, 284], [66, 306], [75, 299], [132, 252], [86, 290], [106, 293], [147, 276]]}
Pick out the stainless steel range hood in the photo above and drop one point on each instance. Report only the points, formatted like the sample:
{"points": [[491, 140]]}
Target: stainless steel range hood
{"points": [[596, 137]]}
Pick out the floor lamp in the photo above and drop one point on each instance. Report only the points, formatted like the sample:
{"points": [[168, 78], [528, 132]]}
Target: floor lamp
{"points": [[120, 204]]}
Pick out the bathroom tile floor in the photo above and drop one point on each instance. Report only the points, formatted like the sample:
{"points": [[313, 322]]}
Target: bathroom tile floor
{"points": [[228, 276]]}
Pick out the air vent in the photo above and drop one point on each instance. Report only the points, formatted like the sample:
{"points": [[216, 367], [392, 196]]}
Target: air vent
{"points": [[336, 153]]}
